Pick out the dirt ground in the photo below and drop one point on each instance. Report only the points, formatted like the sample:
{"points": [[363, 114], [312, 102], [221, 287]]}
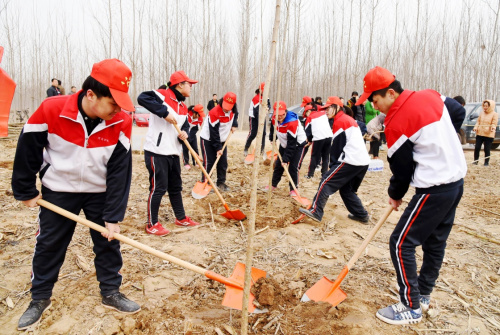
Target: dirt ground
{"points": [[178, 301]]}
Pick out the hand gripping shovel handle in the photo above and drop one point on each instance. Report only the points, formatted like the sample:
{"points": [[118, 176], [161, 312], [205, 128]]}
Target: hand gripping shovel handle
{"points": [[201, 166], [209, 274]]}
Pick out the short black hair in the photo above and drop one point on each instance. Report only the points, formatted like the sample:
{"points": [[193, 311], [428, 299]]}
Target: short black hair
{"points": [[348, 111], [318, 98], [59, 82], [162, 87], [257, 91], [53, 79], [395, 85], [190, 108], [73, 86], [354, 93], [460, 99], [100, 90], [214, 94]]}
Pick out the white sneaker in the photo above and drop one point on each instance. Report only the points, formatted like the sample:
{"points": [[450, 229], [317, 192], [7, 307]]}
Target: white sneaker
{"points": [[399, 314]]}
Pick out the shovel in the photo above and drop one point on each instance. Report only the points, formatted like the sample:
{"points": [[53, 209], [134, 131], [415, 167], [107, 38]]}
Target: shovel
{"points": [[201, 189], [229, 214], [233, 297], [250, 157], [328, 291], [302, 201], [269, 155]]}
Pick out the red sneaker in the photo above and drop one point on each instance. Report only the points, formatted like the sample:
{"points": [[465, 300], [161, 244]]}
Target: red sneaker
{"points": [[187, 222], [157, 229]]}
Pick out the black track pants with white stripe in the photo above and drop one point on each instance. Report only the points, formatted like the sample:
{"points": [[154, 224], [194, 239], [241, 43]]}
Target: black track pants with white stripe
{"points": [[293, 167], [346, 179], [427, 221], [164, 175], [54, 235]]}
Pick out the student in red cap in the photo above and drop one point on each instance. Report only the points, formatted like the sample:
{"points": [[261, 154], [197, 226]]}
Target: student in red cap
{"points": [[195, 120], [423, 152], [80, 146], [221, 120], [318, 133], [307, 111], [348, 165], [163, 148], [292, 140], [253, 120]]}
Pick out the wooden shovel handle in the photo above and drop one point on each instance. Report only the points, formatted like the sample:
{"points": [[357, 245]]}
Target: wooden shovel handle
{"points": [[200, 165], [217, 160], [121, 238], [370, 236], [288, 175]]}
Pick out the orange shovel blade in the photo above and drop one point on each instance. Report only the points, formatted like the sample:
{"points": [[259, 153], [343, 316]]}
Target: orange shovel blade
{"points": [[201, 190], [249, 158], [270, 153], [303, 201], [234, 295], [322, 291]]}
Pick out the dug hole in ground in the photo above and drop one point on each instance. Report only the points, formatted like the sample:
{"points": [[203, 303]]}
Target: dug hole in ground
{"points": [[178, 301]]}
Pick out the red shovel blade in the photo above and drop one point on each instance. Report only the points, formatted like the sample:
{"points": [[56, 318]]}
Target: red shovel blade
{"points": [[303, 201], [234, 215]]}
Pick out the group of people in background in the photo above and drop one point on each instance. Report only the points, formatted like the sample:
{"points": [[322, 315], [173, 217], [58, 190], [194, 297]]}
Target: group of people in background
{"points": [[56, 89]]}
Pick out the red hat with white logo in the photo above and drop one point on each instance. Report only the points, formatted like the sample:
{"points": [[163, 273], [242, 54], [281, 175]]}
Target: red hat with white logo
{"points": [[228, 101], [306, 100], [376, 79], [280, 106], [114, 74], [199, 109], [179, 77]]}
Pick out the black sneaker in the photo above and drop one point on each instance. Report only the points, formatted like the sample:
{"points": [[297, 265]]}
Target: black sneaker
{"points": [[309, 214], [364, 219], [34, 313], [119, 302], [223, 187]]}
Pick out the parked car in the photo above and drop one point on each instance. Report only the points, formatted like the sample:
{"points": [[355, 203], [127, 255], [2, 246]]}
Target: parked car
{"points": [[472, 111], [141, 117]]}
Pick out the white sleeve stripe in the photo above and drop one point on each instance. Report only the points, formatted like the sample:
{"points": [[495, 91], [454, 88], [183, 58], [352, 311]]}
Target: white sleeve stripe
{"points": [[124, 140], [32, 128], [397, 145]]}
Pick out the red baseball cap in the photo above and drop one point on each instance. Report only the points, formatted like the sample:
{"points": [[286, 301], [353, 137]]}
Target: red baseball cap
{"points": [[114, 74], [307, 108], [281, 106], [261, 87], [228, 101], [376, 79], [332, 101], [199, 109], [179, 77], [305, 100]]}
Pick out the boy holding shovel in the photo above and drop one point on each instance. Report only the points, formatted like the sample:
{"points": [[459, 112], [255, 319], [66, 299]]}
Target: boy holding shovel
{"points": [[80, 146], [163, 148], [348, 165], [423, 151], [292, 139]]}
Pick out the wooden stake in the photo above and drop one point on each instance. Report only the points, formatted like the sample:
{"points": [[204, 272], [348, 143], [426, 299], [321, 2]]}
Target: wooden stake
{"points": [[255, 169]]}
